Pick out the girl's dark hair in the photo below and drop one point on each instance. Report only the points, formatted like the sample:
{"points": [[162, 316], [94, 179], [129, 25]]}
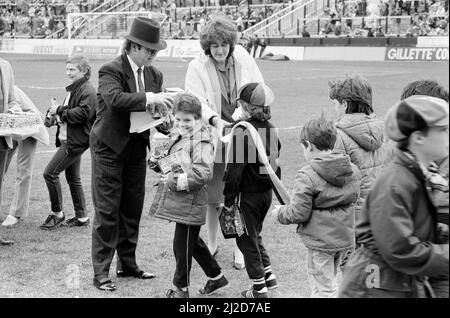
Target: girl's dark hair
{"points": [[257, 112]]}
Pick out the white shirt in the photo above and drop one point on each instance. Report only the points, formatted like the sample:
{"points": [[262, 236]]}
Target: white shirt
{"points": [[135, 68]]}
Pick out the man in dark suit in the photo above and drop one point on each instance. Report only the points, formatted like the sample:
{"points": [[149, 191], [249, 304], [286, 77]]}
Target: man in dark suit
{"points": [[126, 84]]}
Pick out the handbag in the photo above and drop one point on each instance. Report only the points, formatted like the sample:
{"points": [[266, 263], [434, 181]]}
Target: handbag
{"points": [[232, 221]]}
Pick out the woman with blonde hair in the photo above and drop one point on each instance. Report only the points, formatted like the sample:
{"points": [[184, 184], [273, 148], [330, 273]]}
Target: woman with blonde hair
{"points": [[215, 77]]}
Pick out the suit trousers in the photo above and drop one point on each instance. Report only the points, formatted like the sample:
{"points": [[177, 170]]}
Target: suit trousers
{"points": [[187, 243], [254, 207], [118, 190], [6, 155], [26, 152]]}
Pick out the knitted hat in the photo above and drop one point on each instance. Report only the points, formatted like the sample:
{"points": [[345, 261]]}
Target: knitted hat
{"points": [[415, 113], [256, 94]]}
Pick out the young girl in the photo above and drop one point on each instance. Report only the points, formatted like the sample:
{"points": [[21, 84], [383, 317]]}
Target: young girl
{"points": [[184, 196]]}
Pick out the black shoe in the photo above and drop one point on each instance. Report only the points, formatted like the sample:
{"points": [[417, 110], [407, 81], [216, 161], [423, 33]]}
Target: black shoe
{"points": [[177, 293], [214, 285], [104, 284], [73, 222], [6, 242], [251, 293], [136, 274], [52, 222]]}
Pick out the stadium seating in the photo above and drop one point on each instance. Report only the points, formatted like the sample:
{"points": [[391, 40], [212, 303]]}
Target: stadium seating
{"points": [[44, 18]]}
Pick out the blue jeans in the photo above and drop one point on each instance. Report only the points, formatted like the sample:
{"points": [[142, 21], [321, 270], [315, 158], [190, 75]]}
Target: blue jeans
{"points": [[60, 162]]}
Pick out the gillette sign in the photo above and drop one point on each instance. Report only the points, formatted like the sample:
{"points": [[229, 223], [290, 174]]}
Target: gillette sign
{"points": [[416, 54]]}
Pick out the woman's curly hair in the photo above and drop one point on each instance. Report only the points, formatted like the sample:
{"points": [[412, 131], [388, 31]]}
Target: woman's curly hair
{"points": [[219, 28]]}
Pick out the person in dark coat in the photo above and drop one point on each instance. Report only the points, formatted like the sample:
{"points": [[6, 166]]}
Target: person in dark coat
{"points": [[247, 183], [76, 115], [398, 250], [126, 84]]}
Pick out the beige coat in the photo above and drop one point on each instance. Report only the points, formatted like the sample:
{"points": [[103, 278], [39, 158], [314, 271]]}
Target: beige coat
{"points": [[7, 87]]}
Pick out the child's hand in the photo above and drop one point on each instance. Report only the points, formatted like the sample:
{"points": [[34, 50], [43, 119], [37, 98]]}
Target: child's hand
{"points": [[275, 211]]}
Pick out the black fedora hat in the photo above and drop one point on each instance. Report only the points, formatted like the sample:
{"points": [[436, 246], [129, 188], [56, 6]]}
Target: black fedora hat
{"points": [[145, 32]]}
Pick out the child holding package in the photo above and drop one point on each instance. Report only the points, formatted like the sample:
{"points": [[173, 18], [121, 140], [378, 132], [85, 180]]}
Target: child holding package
{"points": [[323, 205], [248, 182], [397, 237], [184, 196]]}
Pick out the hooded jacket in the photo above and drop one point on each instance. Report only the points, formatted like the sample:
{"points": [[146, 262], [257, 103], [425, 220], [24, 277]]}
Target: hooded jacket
{"points": [[196, 156], [323, 203], [397, 233], [362, 137]]}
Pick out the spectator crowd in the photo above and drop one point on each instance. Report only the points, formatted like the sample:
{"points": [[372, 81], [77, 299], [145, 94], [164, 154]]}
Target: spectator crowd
{"points": [[185, 18], [426, 17]]}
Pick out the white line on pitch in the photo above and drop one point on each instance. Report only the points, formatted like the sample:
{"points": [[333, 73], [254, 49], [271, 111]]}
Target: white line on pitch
{"points": [[40, 87]]}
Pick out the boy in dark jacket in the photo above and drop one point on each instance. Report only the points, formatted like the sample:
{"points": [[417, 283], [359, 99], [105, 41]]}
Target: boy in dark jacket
{"points": [[436, 178], [247, 182], [397, 236], [184, 197], [323, 205]]}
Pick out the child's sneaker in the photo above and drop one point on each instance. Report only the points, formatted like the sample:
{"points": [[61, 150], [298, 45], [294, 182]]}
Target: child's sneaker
{"points": [[271, 282], [251, 293], [214, 285], [177, 293]]}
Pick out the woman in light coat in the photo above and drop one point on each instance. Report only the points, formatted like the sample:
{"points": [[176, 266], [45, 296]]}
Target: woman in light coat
{"points": [[215, 77]]}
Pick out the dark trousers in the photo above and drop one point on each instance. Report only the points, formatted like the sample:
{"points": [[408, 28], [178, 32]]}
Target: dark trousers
{"points": [[187, 244], [60, 162], [6, 155], [118, 190], [254, 206]]}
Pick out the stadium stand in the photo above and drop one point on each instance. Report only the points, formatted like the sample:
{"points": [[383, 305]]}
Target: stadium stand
{"points": [[185, 18]]}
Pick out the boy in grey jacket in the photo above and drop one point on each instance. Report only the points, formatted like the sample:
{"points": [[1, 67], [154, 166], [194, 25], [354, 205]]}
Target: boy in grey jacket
{"points": [[184, 196], [323, 206]]}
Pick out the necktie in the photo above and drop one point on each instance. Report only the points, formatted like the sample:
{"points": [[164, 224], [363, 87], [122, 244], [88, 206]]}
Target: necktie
{"points": [[141, 85]]}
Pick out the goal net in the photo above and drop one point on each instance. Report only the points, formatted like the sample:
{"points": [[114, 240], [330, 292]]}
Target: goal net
{"points": [[106, 25]]}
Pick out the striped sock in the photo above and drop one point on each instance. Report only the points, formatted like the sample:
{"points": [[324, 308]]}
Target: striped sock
{"points": [[259, 285], [217, 277], [267, 272]]}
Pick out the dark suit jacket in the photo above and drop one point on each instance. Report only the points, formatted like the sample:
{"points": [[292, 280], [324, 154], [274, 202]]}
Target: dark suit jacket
{"points": [[117, 97]]}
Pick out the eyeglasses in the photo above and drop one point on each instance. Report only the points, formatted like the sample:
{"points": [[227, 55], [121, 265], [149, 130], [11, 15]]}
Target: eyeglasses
{"points": [[151, 51]]}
